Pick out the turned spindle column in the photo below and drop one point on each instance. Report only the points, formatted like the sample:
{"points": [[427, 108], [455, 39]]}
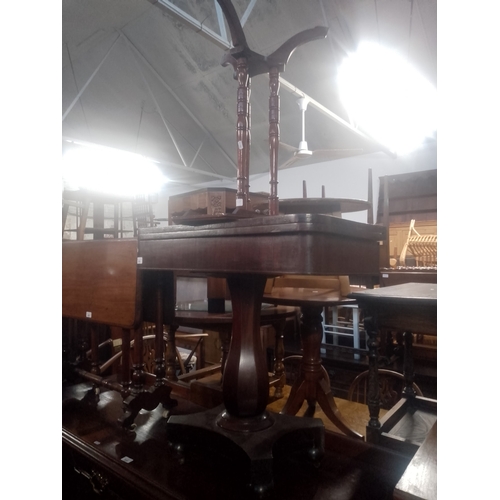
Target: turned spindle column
{"points": [[159, 342], [243, 132], [373, 384], [408, 371], [274, 139]]}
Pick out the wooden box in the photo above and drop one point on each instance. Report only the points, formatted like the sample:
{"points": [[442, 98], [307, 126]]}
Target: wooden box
{"points": [[211, 201]]}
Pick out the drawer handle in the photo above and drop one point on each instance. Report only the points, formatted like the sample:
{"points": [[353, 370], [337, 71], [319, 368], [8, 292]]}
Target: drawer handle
{"points": [[98, 481]]}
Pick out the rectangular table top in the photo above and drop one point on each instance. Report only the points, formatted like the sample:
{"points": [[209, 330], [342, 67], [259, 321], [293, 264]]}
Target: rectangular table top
{"points": [[424, 293], [271, 245], [100, 281], [405, 307]]}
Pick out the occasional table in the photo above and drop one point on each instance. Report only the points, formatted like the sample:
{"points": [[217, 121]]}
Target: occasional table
{"points": [[313, 383], [246, 253], [408, 308]]}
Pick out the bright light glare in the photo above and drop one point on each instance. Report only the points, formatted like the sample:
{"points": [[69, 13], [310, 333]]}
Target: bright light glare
{"points": [[111, 171], [387, 97]]}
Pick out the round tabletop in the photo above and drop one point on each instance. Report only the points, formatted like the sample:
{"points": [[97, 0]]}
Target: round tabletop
{"points": [[319, 205]]}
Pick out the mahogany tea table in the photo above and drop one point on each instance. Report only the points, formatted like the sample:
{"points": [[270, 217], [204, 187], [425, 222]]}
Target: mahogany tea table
{"points": [[313, 383], [246, 253]]}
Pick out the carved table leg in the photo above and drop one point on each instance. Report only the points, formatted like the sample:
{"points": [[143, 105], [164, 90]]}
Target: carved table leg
{"points": [[373, 427], [313, 383], [140, 397], [408, 371], [92, 396], [126, 380], [138, 362], [159, 341], [243, 419], [279, 354], [225, 340], [171, 355], [246, 384]]}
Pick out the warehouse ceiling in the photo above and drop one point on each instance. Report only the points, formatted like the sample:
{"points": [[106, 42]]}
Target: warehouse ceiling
{"points": [[146, 77]]}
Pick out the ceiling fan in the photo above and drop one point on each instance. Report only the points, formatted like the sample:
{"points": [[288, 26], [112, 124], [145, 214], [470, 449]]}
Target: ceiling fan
{"points": [[303, 152]]}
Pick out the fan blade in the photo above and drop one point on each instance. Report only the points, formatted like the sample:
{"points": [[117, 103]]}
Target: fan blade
{"points": [[319, 156], [335, 153], [286, 146], [288, 163]]}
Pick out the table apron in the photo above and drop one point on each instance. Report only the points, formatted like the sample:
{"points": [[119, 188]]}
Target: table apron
{"points": [[311, 253]]}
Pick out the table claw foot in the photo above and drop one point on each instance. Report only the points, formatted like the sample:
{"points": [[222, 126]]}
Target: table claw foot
{"points": [[92, 396], [261, 483], [178, 451], [146, 400]]}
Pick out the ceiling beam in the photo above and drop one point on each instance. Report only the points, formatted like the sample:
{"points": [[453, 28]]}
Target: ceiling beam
{"points": [[167, 164], [158, 109], [75, 100], [247, 12], [216, 39], [221, 20], [181, 103], [192, 23]]}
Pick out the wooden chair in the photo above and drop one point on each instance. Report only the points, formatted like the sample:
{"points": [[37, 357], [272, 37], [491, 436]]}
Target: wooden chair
{"points": [[85, 205], [142, 213], [338, 321], [391, 385], [183, 361]]}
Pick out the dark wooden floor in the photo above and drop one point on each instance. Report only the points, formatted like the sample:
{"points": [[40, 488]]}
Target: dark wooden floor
{"points": [[143, 465]]}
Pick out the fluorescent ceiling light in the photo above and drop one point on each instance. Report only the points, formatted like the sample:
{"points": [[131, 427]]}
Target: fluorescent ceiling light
{"points": [[110, 171], [387, 98]]}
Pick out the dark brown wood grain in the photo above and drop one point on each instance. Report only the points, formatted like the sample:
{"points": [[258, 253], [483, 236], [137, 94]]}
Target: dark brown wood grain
{"points": [[100, 282], [351, 469], [406, 308], [288, 244], [403, 307], [419, 482], [247, 252]]}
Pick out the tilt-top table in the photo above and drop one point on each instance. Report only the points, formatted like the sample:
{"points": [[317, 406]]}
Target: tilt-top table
{"points": [[246, 253], [312, 384]]}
